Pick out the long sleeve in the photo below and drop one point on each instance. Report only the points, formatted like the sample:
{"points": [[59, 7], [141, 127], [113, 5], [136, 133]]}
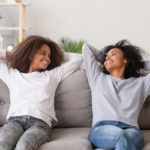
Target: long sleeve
{"points": [[2, 54], [147, 65], [71, 62], [90, 57], [146, 80], [4, 70]]}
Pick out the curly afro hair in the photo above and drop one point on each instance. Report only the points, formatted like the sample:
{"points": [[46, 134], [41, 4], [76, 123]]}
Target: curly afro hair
{"points": [[131, 53]]}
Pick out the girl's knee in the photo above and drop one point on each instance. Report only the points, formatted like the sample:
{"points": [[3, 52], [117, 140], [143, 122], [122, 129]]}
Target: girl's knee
{"points": [[24, 146], [4, 145]]}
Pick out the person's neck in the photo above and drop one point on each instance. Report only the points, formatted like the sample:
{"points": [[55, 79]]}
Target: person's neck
{"points": [[30, 70], [118, 74]]}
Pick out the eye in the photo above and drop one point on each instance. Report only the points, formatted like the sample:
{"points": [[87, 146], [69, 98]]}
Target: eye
{"points": [[43, 53], [113, 54]]}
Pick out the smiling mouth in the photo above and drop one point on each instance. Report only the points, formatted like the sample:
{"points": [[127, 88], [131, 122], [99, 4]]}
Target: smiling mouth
{"points": [[45, 63], [108, 62]]}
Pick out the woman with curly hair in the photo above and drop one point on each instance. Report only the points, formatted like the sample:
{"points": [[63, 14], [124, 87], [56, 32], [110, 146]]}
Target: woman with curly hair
{"points": [[32, 73], [118, 92]]}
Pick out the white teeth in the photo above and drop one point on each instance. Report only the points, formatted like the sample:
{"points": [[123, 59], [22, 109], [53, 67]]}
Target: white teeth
{"points": [[45, 62], [108, 61]]}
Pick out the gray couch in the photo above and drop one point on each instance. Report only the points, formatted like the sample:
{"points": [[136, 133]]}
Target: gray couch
{"points": [[73, 110]]}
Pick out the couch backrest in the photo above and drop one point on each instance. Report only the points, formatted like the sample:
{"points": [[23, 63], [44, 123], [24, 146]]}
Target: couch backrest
{"points": [[4, 102], [72, 103]]}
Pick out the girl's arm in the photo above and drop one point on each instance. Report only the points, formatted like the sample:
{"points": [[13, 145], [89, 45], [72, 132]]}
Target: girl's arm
{"points": [[4, 54], [72, 61], [4, 70], [91, 56]]}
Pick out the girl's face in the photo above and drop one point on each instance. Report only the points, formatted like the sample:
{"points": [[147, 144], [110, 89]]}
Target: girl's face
{"points": [[41, 59], [115, 60]]}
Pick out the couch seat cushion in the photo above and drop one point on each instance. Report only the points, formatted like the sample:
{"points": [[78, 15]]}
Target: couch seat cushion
{"points": [[146, 134], [68, 139]]}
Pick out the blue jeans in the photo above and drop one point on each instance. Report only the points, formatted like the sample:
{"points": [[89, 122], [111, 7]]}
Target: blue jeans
{"points": [[24, 133], [114, 135]]}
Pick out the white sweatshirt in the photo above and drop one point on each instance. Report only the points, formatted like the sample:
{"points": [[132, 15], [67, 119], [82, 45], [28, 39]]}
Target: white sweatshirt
{"points": [[33, 93]]}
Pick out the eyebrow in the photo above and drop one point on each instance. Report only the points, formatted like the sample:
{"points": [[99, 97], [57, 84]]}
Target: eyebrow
{"points": [[43, 50], [112, 52]]}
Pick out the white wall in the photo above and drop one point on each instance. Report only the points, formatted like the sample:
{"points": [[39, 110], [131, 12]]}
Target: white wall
{"points": [[99, 22]]}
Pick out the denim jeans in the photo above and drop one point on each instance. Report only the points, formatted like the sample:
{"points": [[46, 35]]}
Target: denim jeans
{"points": [[114, 135], [24, 133]]}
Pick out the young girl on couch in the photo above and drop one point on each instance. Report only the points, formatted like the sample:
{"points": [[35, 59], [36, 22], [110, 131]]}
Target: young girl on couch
{"points": [[118, 93], [32, 73]]}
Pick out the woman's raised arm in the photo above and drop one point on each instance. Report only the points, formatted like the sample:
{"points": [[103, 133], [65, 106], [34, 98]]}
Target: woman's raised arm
{"points": [[91, 56]]}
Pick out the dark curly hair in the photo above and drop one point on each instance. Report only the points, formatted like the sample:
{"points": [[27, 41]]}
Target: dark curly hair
{"points": [[131, 53], [20, 56]]}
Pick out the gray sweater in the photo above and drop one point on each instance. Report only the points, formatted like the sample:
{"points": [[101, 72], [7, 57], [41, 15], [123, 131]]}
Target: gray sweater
{"points": [[114, 98]]}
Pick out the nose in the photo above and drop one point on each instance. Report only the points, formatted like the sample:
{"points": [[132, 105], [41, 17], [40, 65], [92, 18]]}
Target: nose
{"points": [[107, 57], [47, 58]]}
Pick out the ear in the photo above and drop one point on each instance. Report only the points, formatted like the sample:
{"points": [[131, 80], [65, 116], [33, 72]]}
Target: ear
{"points": [[125, 61]]}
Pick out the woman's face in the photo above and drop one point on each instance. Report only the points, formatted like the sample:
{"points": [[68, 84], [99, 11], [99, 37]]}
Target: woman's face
{"points": [[41, 59], [115, 60]]}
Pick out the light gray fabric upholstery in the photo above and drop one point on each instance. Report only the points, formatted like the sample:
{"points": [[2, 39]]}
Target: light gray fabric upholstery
{"points": [[144, 117], [4, 101], [146, 134], [68, 139], [73, 101]]}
